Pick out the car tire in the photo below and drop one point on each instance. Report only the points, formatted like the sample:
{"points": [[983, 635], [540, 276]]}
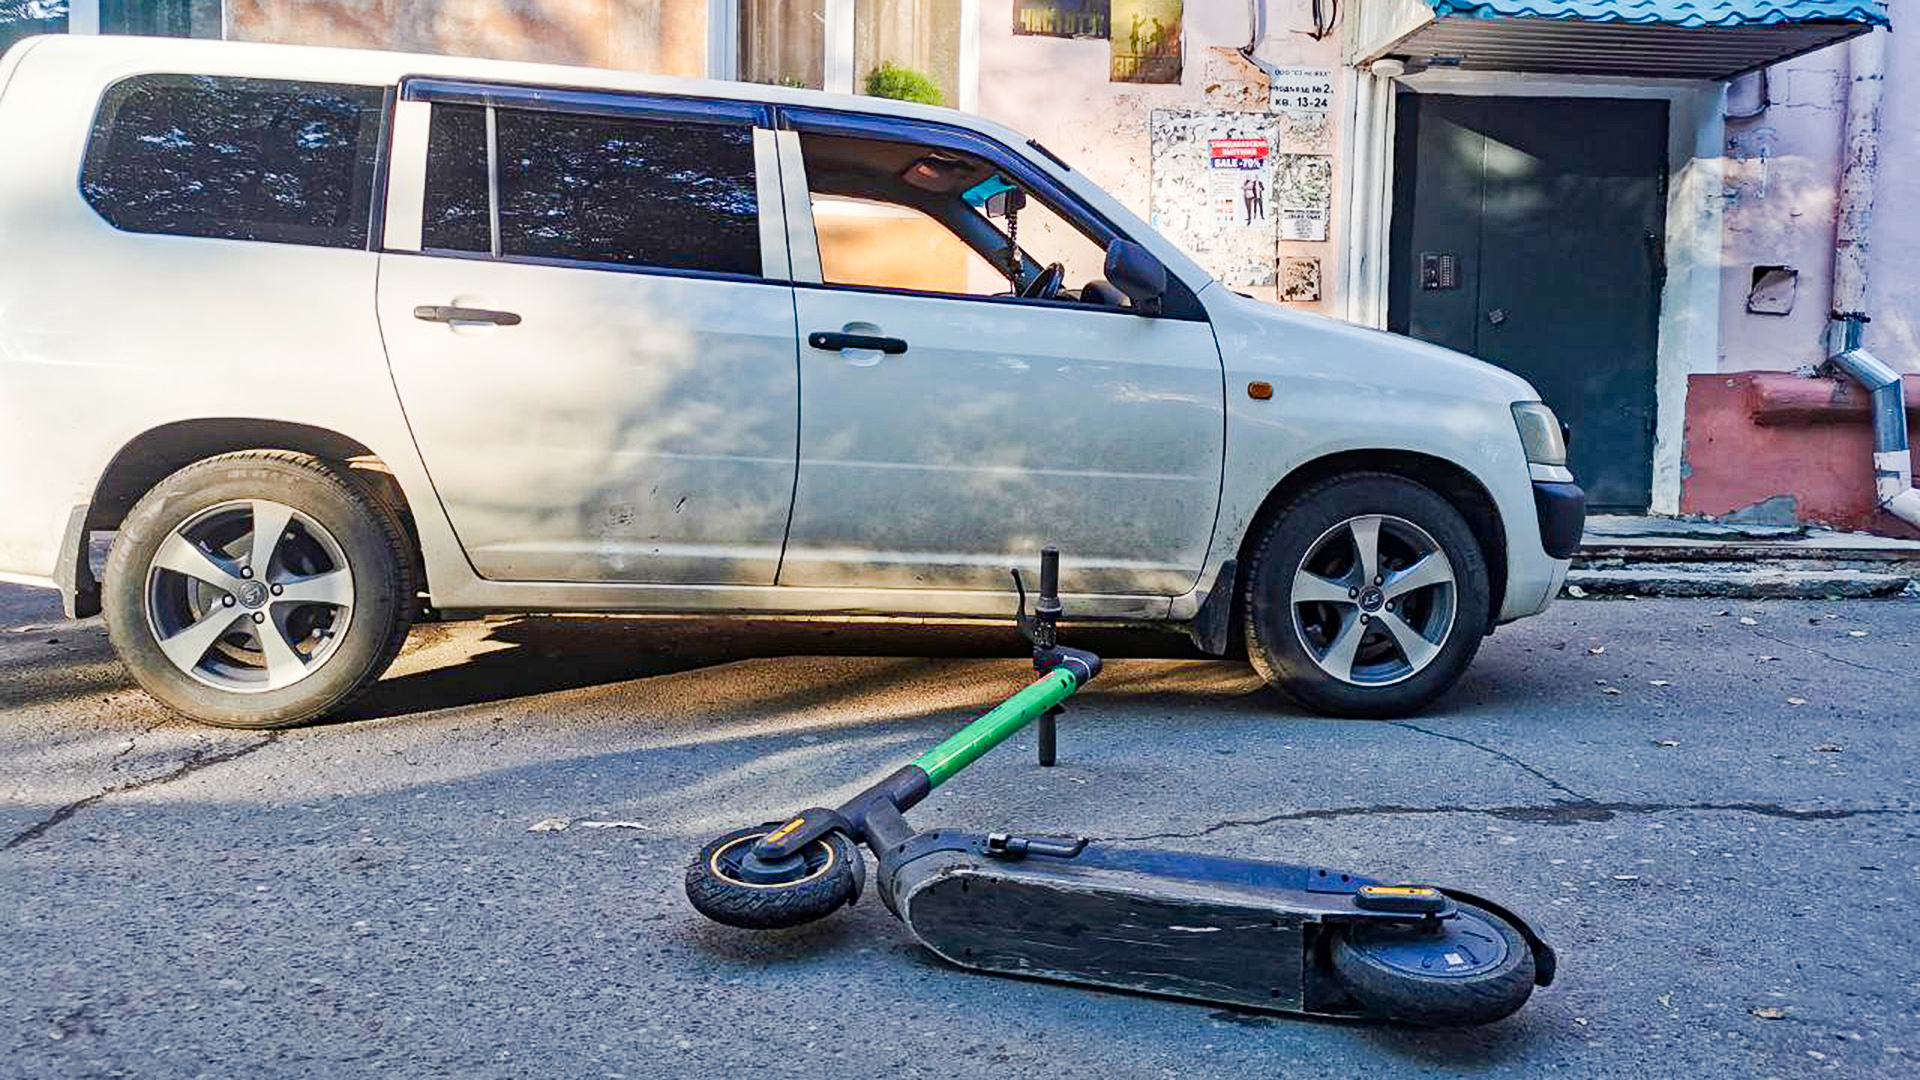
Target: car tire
{"points": [[213, 640], [1343, 640]]}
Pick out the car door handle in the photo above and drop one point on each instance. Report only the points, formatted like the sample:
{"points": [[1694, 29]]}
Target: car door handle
{"points": [[442, 313], [834, 342]]}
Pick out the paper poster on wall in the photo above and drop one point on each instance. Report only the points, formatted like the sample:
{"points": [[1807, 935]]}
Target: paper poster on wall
{"points": [[1214, 189], [1300, 280], [1303, 189], [1239, 181], [1061, 18], [1303, 99], [1146, 41]]}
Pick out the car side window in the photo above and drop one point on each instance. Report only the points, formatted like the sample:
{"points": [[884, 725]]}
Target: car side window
{"points": [[623, 191], [902, 216], [236, 159]]}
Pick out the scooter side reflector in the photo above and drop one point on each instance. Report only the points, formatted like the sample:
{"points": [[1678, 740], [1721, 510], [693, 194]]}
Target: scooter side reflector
{"points": [[1414, 899]]}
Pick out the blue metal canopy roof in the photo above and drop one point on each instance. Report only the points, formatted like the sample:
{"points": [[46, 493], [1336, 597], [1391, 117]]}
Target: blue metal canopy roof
{"points": [[1700, 13], [1666, 39]]}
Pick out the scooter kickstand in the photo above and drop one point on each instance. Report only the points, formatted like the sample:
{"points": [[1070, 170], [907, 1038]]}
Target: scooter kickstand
{"points": [[1046, 730]]}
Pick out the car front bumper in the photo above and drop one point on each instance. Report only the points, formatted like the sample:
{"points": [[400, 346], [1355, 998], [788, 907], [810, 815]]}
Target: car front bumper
{"points": [[1562, 510]]}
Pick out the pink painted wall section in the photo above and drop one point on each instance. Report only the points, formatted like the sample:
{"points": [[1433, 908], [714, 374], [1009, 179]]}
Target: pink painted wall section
{"points": [[663, 37], [1756, 437], [1057, 90]]}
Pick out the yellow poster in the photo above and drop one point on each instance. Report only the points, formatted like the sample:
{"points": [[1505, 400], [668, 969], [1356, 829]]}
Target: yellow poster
{"points": [[1146, 41]]}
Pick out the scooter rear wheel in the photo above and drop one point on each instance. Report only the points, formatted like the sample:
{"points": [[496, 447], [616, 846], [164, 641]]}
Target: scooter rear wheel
{"points": [[1471, 969], [824, 878]]}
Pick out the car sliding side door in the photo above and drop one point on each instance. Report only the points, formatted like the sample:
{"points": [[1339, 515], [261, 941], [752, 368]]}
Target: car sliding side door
{"points": [[591, 332]]}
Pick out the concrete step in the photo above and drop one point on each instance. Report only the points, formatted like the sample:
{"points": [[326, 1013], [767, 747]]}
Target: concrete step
{"points": [[1738, 583]]}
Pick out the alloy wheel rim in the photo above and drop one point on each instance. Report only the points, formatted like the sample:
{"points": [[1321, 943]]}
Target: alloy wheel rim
{"points": [[1374, 600], [249, 596]]}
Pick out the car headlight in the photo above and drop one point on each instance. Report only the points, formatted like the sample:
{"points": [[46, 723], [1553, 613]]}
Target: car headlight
{"points": [[1540, 433]]}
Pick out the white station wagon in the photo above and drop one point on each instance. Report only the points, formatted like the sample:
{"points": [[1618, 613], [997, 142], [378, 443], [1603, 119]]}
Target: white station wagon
{"points": [[329, 339]]}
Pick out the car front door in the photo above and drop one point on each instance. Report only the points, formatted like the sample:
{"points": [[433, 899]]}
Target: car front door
{"points": [[585, 310], [947, 432]]}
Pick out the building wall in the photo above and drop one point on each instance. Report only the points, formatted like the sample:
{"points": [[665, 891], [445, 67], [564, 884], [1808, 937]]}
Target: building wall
{"points": [[667, 37], [1782, 178], [1057, 90]]}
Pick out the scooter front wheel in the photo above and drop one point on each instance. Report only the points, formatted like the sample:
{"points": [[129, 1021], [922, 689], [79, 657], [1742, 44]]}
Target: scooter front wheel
{"points": [[1471, 969], [725, 887]]}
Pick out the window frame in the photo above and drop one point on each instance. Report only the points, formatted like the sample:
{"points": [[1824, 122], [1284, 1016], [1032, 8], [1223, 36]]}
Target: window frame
{"points": [[402, 231], [1180, 303]]}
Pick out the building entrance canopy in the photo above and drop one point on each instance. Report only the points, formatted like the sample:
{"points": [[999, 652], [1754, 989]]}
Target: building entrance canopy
{"points": [[1673, 39]]}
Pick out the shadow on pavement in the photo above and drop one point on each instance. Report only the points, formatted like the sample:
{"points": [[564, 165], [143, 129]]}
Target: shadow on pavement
{"points": [[543, 654]]}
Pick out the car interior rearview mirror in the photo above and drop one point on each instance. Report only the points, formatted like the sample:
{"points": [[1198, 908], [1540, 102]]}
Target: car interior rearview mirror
{"points": [[1006, 203], [1139, 276]]}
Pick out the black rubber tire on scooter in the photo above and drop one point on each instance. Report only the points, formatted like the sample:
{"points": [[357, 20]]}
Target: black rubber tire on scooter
{"points": [[1395, 991], [830, 882]]}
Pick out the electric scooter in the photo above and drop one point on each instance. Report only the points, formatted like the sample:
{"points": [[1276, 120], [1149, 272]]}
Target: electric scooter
{"points": [[1241, 932]]}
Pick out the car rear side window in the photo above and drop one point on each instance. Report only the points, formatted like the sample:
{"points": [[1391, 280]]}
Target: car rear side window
{"points": [[624, 191], [236, 159], [455, 215]]}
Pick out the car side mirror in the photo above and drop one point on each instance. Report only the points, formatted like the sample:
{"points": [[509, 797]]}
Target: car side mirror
{"points": [[1139, 276]]}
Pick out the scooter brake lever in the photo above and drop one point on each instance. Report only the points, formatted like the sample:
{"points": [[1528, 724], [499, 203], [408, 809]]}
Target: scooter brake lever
{"points": [[1021, 621]]}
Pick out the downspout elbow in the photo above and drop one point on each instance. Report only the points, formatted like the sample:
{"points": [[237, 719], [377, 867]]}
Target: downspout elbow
{"points": [[1892, 462]]}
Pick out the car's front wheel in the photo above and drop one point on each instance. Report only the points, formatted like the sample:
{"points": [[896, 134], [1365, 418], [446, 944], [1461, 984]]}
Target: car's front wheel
{"points": [[259, 589], [1366, 596]]}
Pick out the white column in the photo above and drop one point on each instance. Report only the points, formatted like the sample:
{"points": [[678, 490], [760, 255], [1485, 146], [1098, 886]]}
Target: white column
{"points": [[83, 16], [969, 56], [723, 39], [839, 65]]}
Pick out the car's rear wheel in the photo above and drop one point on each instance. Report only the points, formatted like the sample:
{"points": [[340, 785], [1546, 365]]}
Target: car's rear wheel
{"points": [[259, 590], [1366, 596]]}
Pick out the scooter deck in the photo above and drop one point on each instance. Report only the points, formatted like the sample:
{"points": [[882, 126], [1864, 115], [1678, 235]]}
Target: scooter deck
{"points": [[1234, 931]]}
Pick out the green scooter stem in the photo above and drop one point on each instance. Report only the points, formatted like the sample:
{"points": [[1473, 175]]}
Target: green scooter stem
{"points": [[965, 746]]}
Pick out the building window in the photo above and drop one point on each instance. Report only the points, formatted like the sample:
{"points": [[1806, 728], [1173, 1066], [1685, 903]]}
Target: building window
{"points": [[919, 35], [596, 189], [784, 42], [154, 18], [236, 159], [837, 44], [25, 18]]}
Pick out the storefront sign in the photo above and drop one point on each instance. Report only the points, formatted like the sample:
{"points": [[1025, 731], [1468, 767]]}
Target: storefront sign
{"points": [[1061, 18]]}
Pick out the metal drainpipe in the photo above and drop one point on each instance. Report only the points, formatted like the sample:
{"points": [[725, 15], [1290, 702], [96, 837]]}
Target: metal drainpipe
{"points": [[1892, 463]]}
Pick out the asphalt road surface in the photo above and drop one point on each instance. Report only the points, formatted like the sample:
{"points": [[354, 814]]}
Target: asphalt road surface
{"points": [[1714, 820]]}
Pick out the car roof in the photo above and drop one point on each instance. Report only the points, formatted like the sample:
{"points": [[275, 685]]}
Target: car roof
{"points": [[102, 60], [207, 57]]}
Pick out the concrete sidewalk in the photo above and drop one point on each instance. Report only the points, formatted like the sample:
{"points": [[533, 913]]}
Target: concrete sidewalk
{"points": [[1651, 556]]}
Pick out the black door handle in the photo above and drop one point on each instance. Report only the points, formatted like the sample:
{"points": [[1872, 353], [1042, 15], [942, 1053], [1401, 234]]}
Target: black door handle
{"points": [[440, 313], [832, 342]]}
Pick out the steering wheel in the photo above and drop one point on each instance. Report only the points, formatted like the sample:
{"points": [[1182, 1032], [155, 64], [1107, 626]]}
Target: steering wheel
{"points": [[1047, 285]]}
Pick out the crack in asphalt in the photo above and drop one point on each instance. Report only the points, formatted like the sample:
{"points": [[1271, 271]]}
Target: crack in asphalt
{"points": [[195, 762], [1575, 810], [1502, 755], [1557, 813], [1825, 654]]}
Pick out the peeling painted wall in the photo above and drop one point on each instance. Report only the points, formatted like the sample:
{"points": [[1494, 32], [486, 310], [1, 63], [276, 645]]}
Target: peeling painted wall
{"points": [[1057, 90], [1782, 177]]}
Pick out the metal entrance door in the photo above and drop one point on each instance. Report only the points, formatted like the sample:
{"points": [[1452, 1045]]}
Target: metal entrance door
{"points": [[1529, 232]]}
